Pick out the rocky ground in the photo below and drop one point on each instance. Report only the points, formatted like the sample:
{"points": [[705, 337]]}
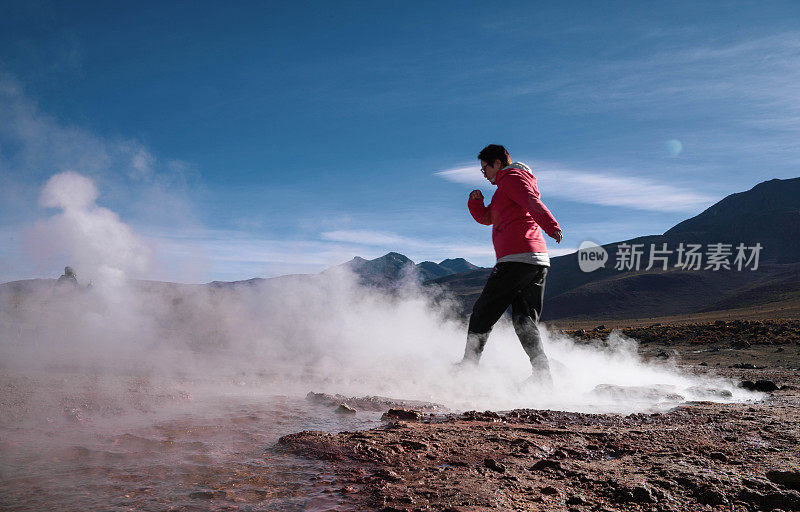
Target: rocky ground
{"points": [[738, 333], [702, 456]]}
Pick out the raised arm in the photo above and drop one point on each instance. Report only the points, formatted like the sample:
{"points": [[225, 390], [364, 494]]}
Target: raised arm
{"points": [[523, 191], [480, 213]]}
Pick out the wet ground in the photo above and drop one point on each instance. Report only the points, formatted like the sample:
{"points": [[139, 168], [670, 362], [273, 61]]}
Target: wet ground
{"points": [[701, 456], [107, 442], [71, 442]]}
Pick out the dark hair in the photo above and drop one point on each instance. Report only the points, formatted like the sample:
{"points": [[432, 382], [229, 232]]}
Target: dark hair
{"points": [[494, 152]]}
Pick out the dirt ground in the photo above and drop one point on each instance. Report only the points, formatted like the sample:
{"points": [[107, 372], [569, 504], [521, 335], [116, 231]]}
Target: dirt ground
{"points": [[701, 456]]}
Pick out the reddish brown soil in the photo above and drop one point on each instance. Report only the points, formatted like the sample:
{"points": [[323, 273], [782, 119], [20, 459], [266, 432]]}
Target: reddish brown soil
{"points": [[703, 456], [736, 332]]}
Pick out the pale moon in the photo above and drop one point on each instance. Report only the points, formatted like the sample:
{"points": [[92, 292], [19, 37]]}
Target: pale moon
{"points": [[674, 146]]}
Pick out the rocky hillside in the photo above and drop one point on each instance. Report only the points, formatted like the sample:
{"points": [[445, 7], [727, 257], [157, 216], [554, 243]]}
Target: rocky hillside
{"points": [[768, 214]]}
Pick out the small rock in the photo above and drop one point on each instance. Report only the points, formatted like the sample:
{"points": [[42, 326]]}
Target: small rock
{"points": [[708, 495], [718, 456], [413, 445], [642, 494], [580, 332], [494, 465], [600, 328], [703, 364], [745, 366], [765, 386], [552, 491], [345, 409], [790, 479], [662, 355], [388, 475], [546, 464], [402, 414], [576, 499], [481, 416]]}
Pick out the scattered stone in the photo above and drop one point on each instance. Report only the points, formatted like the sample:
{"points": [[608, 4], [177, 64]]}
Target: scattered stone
{"points": [[494, 465], [662, 355], [549, 490], [576, 499], [413, 445], [600, 328], [345, 409], [546, 464], [402, 414], [642, 494], [765, 386], [708, 495], [718, 456], [703, 364], [481, 416], [790, 479], [745, 366], [638, 494], [771, 500], [388, 475]]}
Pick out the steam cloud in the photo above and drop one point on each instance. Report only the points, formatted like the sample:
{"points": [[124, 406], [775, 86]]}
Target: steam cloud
{"points": [[294, 334]]}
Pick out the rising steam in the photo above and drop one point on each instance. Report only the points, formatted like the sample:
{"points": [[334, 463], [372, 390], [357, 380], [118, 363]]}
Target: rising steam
{"points": [[294, 334]]}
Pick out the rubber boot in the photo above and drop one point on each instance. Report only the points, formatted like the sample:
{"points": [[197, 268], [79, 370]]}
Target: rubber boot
{"points": [[473, 349]]}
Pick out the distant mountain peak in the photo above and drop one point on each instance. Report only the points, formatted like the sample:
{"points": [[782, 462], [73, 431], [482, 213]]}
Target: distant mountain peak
{"points": [[393, 267], [458, 265]]}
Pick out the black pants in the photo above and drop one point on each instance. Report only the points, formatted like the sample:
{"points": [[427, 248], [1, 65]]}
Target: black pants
{"points": [[521, 286]]}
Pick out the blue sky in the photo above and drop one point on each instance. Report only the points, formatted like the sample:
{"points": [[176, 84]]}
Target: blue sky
{"points": [[264, 138]]}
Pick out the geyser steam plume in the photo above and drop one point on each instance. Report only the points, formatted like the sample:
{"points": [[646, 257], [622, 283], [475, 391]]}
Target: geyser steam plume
{"points": [[290, 335]]}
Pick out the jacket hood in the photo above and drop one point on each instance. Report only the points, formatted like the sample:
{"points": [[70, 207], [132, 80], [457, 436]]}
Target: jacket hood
{"points": [[517, 165]]}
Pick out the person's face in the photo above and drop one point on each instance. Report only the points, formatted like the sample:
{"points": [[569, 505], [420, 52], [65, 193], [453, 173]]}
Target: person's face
{"points": [[490, 171]]}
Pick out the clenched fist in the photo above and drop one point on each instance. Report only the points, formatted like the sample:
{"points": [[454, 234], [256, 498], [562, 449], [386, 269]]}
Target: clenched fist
{"points": [[476, 194]]}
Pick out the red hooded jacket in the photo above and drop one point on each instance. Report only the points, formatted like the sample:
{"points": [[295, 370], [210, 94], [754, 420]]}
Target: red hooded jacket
{"points": [[515, 213]]}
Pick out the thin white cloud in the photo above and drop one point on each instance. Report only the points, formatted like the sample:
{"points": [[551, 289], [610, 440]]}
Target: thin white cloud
{"points": [[739, 97], [201, 255], [426, 248], [602, 188]]}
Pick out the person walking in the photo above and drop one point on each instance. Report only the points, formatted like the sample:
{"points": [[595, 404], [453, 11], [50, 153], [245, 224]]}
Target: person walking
{"points": [[518, 217]]}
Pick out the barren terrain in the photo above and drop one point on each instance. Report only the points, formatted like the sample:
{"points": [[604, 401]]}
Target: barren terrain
{"points": [[701, 456]]}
